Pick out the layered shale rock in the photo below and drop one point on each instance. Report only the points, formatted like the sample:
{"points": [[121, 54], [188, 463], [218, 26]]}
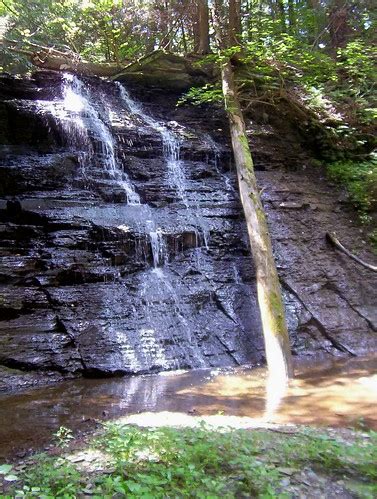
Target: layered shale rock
{"points": [[93, 284]]}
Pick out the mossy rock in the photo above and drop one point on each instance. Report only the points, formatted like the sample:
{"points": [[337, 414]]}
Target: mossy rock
{"points": [[166, 71]]}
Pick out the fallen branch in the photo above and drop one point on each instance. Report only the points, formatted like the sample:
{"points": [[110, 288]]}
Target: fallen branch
{"points": [[135, 65], [331, 237], [57, 60]]}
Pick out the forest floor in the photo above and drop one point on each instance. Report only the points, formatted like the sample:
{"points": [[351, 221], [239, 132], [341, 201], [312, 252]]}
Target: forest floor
{"points": [[195, 459]]}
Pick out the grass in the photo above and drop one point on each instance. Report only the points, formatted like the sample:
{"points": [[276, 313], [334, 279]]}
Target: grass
{"points": [[199, 462]]}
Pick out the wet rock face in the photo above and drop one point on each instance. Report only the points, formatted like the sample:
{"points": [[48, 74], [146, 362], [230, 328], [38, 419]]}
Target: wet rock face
{"points": [[91, 285], [336, 297]]}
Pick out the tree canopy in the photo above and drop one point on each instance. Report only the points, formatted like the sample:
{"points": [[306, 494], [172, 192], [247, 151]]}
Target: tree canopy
{"points": [[325, 46], [113, 30]]}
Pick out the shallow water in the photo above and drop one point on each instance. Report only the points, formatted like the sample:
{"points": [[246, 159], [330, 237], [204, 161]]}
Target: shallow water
{"points": [[333, 392]]}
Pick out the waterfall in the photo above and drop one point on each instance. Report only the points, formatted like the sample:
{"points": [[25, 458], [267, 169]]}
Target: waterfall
{"points": [[79, 114], [158, 248], [171, 144], [217, 152], [162, 278], [169, 301], [172, 149]]}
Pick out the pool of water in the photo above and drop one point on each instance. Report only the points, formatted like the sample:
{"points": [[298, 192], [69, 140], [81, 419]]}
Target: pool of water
{"points": [[332, 392]]}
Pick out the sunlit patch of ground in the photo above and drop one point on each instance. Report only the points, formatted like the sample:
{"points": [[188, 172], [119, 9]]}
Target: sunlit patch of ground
{"points": [[91, 460], [183, 420]]}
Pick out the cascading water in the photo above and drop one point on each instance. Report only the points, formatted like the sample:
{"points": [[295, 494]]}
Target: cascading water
{"points": [[142, 292], [158, 248], [78, 115], [172, 152], [216, 152], [176, 179], [171, 144]]}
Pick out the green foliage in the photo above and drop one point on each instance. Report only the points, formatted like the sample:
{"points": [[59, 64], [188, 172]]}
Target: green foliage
{"points": [[203, 463], [5, 468], [276, 54], [289, 57], [360, 180], [357, 60], [357, 64], [63, 436], [101, 30], [356, 458], [6, 471], [186, 463], [50, 477], [282, 60], [202, 95]]}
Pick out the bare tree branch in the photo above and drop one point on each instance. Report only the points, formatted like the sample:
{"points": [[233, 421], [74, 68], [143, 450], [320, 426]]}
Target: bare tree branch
{"points": [[331, 237]]}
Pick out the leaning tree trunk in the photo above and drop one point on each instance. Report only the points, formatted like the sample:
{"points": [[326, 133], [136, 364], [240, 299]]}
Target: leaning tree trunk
{"points": [[270, 299]]}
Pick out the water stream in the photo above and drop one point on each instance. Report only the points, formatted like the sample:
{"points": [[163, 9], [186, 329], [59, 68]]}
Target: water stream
{"points": [[333, 393]]}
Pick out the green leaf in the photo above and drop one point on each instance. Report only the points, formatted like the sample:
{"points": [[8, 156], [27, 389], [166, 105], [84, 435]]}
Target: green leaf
{"points": [[5, 468], [10, 478]]}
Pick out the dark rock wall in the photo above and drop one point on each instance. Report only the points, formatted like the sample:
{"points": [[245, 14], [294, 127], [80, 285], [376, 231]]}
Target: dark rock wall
{"points": [[79, 294], [79, 291]]}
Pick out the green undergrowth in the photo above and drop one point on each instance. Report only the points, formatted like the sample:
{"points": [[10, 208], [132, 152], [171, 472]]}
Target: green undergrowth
{"points": [[126, 461], [360, 180]]}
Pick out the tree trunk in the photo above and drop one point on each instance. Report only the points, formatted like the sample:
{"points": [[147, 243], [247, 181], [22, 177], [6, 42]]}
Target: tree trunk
{"points": [[270, 299], [203, 27], [196, 27], [339, 28], [220, 23], [234, 22]]}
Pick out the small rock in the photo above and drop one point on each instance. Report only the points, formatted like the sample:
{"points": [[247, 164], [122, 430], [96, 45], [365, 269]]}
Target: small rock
{"points": [[287, 471]]}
